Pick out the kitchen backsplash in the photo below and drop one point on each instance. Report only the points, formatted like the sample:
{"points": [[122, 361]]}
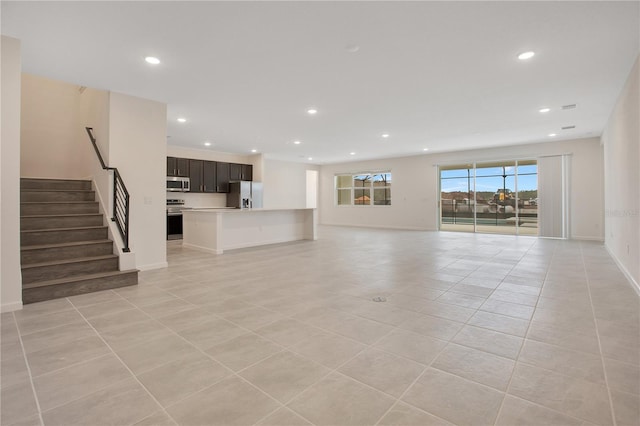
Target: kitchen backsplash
{"points": [[200, 200]]}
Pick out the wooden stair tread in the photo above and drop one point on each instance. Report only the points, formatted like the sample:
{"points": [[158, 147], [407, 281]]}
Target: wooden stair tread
{"points": [[68, 244], [64, 229], [54, 190], [77, 278], [59, 202], [66, 261], [56, 179], [44, 216]]}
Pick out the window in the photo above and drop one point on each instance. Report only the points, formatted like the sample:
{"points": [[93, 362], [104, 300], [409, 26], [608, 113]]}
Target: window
{"points": [[363, 189]]}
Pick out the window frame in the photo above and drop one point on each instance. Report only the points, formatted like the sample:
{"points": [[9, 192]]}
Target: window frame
{"points": [[370, 188]]}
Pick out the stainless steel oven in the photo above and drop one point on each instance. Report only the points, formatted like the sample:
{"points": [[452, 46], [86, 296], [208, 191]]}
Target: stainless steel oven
{"points": [[178, 184], [174, 219]]}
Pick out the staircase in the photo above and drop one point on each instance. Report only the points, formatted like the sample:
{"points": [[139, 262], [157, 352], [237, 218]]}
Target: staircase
{"points": [[65, 248]]}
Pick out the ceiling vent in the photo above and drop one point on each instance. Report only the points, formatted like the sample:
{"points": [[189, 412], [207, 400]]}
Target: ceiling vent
{"points": [[568, 127], [565, 107]]}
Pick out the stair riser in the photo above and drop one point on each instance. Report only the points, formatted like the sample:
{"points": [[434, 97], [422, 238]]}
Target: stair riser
{"points": [[55, 237], [58, 208], [55, 184], [57, 196], [64, 253], [27, 223], [80, 287], [54, 272]]}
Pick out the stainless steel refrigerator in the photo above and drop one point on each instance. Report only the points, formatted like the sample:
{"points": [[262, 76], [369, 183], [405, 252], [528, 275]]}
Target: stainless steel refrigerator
{"points": [[245, 194]]}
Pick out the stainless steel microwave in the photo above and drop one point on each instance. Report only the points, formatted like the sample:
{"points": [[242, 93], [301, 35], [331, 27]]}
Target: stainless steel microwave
{"points": [[178, 184]]}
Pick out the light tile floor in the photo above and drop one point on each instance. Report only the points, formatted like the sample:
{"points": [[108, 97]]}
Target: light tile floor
{"points": [[476, 330]]}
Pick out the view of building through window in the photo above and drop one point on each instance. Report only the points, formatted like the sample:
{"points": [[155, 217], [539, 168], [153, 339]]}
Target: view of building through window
{"points": [[500, 197], [363, 189]]}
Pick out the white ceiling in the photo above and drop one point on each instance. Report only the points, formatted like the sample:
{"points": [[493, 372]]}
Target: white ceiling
{"points": [[437, 75]]}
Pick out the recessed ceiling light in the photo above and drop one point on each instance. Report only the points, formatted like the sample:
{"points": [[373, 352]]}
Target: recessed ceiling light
{"points": [[207, 144], [182, 120], [543, 110], [526, 55], [385, 135], [297, 142], [551, 135], [254, 150], [310, 158], [152, 60], [352, 153], [312, 111], [425, 149]]}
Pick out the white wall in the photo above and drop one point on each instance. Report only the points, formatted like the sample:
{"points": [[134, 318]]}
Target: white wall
{"points": [[138, 148], [211, 200], [52, 143], [415, 187], [621, 140], [94, 113], [285, 184], [10, 276]]}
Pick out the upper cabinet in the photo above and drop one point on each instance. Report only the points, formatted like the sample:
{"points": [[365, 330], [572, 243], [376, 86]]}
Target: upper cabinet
{"points": [[240, 172], [247, 172], [177, 167], [222, 177], [195, 175], [235, 171], [208, 176]]}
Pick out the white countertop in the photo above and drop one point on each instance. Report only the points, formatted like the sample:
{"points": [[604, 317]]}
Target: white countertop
{"points": [[232, 209]]}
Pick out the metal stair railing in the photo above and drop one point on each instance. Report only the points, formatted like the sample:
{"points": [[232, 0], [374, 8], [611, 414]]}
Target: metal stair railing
{"points": [[120, 214]]}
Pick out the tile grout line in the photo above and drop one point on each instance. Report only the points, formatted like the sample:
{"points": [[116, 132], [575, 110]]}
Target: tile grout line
{"points": [[331, 371], [329, 331], [26, 361], [524, 339], [595, 322], [125, 366], [430, 365], [232, 373]]}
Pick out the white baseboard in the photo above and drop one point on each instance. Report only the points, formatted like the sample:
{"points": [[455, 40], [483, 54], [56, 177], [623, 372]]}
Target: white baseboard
{"points": [[10, 307], [205, 249], [624, 270], [581, 238], [399, 228], [151, 266]]}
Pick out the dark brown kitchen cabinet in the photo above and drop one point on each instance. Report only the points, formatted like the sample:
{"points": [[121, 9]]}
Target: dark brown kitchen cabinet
{"points": [[235, 171], [209, 177], [240, 172], [247, 172], [195, 175], [178, 167], [222, 177]]}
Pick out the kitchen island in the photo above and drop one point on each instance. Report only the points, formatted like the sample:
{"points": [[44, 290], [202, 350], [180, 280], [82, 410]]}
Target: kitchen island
{"points": [[218, 229]]}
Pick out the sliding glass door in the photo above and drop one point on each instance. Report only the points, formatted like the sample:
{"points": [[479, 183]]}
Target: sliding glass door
{"points": [[457, 188], [493, 197]]}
